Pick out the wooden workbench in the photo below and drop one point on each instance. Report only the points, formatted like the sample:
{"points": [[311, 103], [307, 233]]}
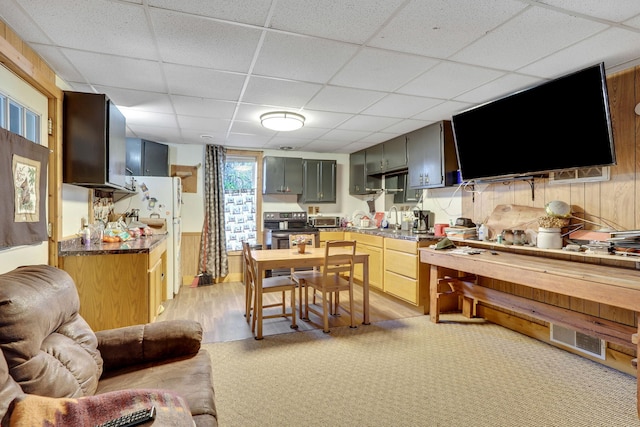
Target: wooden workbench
{"points": [[618, 287]]}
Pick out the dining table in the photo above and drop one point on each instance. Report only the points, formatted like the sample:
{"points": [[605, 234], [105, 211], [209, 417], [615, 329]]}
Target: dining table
{"points": [[272, 259]]}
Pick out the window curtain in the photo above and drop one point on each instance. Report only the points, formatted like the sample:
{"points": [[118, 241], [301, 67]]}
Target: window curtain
{"points": [[213, 248]]}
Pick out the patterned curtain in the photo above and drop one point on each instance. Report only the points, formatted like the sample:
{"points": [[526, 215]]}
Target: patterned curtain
{"points": [[213, 248]]}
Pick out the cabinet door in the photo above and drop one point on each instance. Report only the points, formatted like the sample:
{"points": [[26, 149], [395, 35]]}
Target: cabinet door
{"points": [[319, 185], [134, 156], [273, 175], [357, 172], [374, 160], [328, 181], [155, 158], [424, 153], [394, 154], [292, 175], [282, 175]]}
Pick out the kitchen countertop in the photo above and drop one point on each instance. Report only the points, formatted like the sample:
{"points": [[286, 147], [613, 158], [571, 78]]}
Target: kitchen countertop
{"points": [[388, 232], [73, 247]]}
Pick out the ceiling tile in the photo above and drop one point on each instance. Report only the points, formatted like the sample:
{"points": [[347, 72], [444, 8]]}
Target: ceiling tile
{"points": [[370, 123], [618, 12], [447, 80], [191, 40], [346, 20], [439, 29], [616, 45], [108, 70], [249, 12], [301, 58], [498, 88], [137, 117], [152, 102], [345, 100], [196, 81], [290, 94], [511, 45], [206, 125], [202, 107], [444, 110], [395, 105], [383, 70], [105, 26]]}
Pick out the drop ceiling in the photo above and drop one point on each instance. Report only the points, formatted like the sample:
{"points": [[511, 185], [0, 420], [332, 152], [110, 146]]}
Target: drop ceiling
{"points": [[360, 71]]}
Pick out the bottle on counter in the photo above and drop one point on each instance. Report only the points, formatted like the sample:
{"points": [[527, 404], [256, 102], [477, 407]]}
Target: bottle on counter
{"points": [[85, 236]]}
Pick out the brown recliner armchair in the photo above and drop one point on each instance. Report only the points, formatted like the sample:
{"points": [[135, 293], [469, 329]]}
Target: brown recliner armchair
{"points": [[49, 350]]}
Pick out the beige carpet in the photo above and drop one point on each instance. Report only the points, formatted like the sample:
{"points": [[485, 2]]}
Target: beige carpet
{"points": [[410, 372]]}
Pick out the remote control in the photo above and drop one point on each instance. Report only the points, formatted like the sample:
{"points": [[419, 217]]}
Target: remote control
{"points": [[132, 419]]}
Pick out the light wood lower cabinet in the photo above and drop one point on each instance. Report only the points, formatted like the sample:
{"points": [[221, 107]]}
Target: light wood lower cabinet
{"points": [[118, 290], [373, 246], [325, 236], [404, 276]]}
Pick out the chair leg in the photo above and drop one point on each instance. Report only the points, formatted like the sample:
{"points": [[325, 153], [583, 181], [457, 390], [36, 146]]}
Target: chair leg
{"points": [[306, 303], [325, 312], [255, 304], [293, 308], [351, 305]]}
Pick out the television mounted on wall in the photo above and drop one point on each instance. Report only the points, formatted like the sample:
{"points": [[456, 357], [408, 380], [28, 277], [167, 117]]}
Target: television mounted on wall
{"points": [[561, 124]]}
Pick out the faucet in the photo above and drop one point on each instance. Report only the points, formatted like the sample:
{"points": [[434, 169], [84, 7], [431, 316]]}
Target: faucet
{"points": [[395, 221]]}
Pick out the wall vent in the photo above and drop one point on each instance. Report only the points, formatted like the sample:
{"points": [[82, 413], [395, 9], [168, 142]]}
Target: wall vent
{"points": [[578, 341], [570, 176]]}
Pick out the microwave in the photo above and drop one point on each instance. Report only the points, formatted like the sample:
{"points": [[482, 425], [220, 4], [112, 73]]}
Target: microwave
{"points": [[325, 221]]}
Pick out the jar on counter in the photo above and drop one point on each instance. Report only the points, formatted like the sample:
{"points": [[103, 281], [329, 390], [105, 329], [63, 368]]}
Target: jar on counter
{"points": [[549, 238], [519, 237]]}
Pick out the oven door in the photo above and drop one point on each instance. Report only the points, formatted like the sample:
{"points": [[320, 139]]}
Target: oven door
{"points": [[279, 240]]}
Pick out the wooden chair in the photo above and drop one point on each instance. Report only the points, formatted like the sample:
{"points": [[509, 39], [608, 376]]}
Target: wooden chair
{"points": [[280, 284], [298, 277], [338, 261]]}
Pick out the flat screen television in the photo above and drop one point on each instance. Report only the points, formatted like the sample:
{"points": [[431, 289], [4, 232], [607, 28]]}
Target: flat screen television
{"points": [[561, 124]]}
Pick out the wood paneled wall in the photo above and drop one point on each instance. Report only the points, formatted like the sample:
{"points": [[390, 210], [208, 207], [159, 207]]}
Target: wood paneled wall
{"points": [[613, 202]]}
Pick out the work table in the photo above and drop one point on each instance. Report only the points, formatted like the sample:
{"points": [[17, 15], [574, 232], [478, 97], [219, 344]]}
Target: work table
{"points": [[72, 247]]}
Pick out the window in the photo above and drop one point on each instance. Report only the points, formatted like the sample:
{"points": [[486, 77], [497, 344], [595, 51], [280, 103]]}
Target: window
{"points": [[241, 199], [19, 119]]}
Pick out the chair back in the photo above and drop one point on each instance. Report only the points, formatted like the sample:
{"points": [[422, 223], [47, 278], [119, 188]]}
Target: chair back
{"points": [[249, 267], [309, 239], [339, 257]]}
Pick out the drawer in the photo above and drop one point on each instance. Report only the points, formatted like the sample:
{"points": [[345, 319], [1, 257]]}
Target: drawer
{"points": [[401, 287], [401, 245], [401, 263], [367, 239], [331, 235]]}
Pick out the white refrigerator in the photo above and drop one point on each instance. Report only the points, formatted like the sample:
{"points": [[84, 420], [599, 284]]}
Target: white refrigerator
{"points": [[161, 196]]}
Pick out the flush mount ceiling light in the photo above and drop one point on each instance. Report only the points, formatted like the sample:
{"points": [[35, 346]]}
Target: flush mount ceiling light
{"points": [[282, 121]]}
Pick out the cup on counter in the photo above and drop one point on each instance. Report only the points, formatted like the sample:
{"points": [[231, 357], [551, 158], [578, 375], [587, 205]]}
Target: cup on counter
{"points": [[438, 229]]}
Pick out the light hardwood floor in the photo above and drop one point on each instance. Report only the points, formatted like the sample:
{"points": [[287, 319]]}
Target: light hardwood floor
{"points": [[220, 310]]}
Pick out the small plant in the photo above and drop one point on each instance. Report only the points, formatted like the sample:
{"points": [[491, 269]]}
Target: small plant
{"points": [[300, 240]]}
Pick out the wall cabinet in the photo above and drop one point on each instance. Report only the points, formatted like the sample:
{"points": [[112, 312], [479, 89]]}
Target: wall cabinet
{"points": [[393, 183], [388, 156], [120, 289], [319, 181], [282, 175], [147, 158], [432, 160], [359, 181]]}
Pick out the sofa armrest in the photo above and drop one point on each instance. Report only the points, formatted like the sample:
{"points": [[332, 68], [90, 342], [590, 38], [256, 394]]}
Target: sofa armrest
{"points": [[149, 343]]}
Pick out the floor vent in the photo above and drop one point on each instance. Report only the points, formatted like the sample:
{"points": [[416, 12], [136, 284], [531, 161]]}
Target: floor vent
{"points": [[570, 176], [578, 341]]}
